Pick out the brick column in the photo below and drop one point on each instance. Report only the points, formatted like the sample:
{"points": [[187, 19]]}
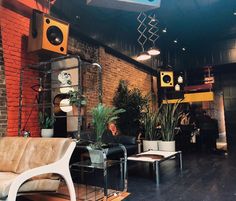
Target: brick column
{"points": [[3, 101]]}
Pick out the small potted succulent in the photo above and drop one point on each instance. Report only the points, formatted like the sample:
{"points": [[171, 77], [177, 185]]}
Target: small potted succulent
{"points": [[101, 116], [46, 124]]}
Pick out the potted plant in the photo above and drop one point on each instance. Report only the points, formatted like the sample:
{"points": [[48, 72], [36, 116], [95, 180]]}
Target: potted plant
{"points": [[75, 99], [169, 115], [150, 123], [101, 117], [46, 124], [133, 102]]}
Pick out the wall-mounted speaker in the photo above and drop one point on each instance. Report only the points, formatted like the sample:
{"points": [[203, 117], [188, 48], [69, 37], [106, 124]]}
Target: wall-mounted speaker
{"points": [[47, 33], [166, 79], [129, 5]]}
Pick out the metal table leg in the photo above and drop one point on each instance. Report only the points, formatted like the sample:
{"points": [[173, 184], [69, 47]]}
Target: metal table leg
{"points": [[156, 163], [105, 179], [122, 182], [180, 161]]}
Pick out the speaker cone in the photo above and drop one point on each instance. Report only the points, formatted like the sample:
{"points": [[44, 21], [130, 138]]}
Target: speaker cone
{"points": [[54, 35], [166, 78]]}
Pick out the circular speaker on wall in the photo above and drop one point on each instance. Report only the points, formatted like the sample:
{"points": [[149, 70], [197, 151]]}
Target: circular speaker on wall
{"points": [[166, 79], [54, 35]]}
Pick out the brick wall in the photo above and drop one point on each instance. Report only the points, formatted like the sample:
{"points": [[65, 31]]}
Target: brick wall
{"points": [[3, 105], [15, 29], [115, 69]]}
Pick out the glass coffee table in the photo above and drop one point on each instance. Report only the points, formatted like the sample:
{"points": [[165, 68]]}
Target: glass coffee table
{"points": [[122, 162], [157, 157]]}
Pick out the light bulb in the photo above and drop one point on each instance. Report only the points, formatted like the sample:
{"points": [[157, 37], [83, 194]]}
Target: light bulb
{"points": [[180, 79], [143, 56], [153, 51], [177, 87], [65, 105]]}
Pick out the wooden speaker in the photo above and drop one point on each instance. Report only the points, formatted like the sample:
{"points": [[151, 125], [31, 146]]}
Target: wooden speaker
{"points": [[167, 79], [47, 33]]}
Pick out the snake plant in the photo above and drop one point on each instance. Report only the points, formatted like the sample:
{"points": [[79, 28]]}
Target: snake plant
{"points": [[168, 118], [150, 121]]}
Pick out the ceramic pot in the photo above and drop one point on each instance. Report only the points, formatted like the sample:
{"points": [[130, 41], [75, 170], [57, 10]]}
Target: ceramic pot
{"points": [[150, 145], [167, 145], [47, 132]]}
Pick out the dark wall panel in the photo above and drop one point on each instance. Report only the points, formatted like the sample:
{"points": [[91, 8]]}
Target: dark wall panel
{"points": [[227, 82]]}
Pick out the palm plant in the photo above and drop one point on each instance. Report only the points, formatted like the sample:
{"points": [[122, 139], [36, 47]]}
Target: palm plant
{"points": [[168, 119], [101, 117]]}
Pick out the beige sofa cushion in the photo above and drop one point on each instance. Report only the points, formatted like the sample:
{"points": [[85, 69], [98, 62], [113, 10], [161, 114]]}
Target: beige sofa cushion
{"points": [[11, 151], [42, 151], [6, 178]]}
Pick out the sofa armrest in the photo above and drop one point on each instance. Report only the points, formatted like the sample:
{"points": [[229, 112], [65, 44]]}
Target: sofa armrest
{"points": [[60, 167]]}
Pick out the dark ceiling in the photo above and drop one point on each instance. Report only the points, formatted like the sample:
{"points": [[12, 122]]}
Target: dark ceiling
{"points": [[194, 23]]}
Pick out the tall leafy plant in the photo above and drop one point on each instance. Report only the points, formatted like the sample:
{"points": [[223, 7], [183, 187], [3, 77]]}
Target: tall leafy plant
{"points": [[133, 102], [101, 117], [150, 121], [168, 118]]}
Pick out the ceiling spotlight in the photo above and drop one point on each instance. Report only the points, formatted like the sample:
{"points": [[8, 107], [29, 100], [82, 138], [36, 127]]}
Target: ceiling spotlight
{"points": [[175, 41], [143, 56], [164, 30], [234, 13], [153, 19], [153, 51], [183, 48]]}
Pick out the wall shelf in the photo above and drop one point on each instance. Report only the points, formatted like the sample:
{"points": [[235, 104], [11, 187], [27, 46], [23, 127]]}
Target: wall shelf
{"points": [[47, 89]]}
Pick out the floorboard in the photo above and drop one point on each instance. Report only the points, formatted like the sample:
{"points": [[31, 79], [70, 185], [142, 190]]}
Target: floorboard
{"points": [[83, 192], [205, 177]]}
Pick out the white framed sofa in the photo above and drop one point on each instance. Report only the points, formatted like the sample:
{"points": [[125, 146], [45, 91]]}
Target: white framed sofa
{"points": [[33, 164]]}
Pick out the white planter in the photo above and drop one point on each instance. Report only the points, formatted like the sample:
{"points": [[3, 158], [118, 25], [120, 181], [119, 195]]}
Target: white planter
{"points": [[158, 141], [167, 145], [47, 132], [150, 145]]}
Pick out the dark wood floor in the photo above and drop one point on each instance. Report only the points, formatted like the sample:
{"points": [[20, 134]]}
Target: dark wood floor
{"points": [[205, 177]]}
